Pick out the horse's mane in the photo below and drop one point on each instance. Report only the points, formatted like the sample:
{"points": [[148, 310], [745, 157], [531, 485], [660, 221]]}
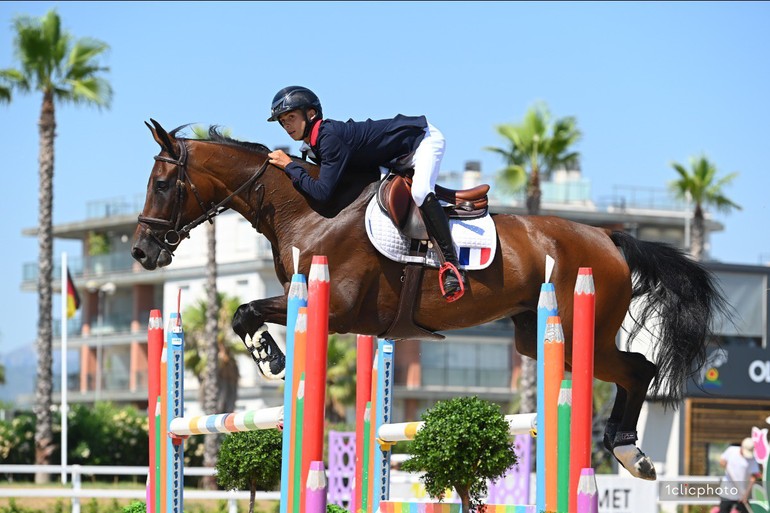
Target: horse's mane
{"points": [[216, 136]]}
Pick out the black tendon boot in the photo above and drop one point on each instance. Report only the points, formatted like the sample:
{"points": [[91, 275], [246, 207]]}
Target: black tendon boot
{"points": [[451, 278]]}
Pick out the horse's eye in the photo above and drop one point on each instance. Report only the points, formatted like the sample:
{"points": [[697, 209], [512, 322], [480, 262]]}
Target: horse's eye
{"points": [[161, 185]]}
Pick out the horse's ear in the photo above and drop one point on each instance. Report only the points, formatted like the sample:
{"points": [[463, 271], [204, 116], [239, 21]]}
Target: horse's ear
{"points": [[162, 138]]}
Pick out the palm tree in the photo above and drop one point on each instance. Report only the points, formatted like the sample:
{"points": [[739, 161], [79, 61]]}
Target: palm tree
{"points": [[535, 147], [64, 70], [5, 88], [700, 185], [228, 347], [340, 377], [212, 360], [210, 382]]}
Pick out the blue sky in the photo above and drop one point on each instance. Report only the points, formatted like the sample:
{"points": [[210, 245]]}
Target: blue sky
{"points": [[649, 83]]}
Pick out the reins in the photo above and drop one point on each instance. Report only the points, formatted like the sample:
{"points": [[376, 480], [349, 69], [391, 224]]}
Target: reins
{"points": [[175, 235]]}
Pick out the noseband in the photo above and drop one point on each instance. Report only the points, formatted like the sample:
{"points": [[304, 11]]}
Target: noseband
{"points": [[176, 233]]}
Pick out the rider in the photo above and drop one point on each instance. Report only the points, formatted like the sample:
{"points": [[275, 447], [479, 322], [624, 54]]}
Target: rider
{"points": [[339, 147]]}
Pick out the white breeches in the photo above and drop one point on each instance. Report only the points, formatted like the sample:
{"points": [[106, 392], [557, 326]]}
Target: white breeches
{"points": [[427, 163]]}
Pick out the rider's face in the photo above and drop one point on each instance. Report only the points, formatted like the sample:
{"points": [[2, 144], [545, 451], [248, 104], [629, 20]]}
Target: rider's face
{"points": [[294, 124]]}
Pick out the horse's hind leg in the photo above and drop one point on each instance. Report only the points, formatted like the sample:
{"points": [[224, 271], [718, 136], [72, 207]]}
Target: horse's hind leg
{"points": [[632, 373]]}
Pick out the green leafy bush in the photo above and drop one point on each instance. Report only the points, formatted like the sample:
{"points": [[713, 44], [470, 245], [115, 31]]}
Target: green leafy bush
{"points": [[135, 507], [464, 442], [250, 461]]}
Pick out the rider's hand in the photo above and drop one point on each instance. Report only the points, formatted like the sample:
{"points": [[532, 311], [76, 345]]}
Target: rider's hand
{"points": [[279, 158]]}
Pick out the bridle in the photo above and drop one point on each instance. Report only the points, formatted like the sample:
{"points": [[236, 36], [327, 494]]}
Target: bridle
{"points": [[175, 232]]}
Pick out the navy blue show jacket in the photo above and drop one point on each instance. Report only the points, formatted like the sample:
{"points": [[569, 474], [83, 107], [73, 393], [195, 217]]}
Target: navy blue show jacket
{"points": [[341, 147]]}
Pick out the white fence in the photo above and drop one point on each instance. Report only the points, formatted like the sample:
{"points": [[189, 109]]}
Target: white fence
{"points": [[617, 494], [77, 492]]}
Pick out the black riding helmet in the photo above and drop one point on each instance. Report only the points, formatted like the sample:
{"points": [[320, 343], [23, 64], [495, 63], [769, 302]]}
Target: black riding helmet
{"points": [[293, 98]]}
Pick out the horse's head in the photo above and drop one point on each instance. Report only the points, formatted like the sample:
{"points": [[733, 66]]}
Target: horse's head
{"points": [[191, 182], [169, 206]]}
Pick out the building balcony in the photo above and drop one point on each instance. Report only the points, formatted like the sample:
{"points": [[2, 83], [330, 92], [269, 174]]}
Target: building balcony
{"points": [[85, 268]]}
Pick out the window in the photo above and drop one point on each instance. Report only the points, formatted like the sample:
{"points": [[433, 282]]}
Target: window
{"points": [[747, 296], [454, 364]]}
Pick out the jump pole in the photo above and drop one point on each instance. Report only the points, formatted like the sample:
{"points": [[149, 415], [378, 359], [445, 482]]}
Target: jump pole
{"points": [[297, 298], [175, 408], [154, 349], [565, 415], [546, 307], [554, 374], [297, 385], [364, 356], [315, 374], [384, 398], [161, 481], [582, 379]]}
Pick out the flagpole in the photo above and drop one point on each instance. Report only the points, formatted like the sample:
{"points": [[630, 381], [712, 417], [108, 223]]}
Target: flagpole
{"points": [[63, 408]]}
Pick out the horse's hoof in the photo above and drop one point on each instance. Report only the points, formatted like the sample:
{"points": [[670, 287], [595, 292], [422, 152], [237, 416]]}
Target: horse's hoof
{"points": [[270, 360], [635, 461]]}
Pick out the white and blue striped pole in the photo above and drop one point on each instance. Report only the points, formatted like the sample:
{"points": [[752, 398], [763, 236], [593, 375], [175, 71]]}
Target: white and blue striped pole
{"points": [[385, 370], [175, 405]]}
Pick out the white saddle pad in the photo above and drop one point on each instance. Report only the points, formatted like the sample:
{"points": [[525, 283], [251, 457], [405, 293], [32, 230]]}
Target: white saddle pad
{"points": [[475, 240]]}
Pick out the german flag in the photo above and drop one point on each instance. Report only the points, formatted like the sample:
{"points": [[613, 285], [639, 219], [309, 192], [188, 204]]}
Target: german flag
{"points": [[73, 299]]}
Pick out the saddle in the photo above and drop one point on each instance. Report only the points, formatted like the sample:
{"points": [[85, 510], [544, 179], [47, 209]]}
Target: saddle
{"points": [[394, 196]]}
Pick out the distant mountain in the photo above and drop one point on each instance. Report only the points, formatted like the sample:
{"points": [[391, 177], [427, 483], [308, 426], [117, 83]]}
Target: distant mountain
{"points": [[20, 370]]}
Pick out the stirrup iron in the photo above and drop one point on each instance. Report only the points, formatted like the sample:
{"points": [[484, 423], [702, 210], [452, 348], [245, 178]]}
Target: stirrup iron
{"points": [[445, 268]]}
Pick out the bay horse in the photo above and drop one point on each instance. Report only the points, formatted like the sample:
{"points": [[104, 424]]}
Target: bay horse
{"points": [[194, 180]]}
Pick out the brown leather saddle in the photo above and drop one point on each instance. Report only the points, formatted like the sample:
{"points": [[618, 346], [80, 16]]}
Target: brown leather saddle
{"points": [[395, 198]]}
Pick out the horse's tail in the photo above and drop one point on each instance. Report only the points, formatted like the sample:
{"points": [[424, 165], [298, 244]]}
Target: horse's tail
{"points": [[682, 300]]}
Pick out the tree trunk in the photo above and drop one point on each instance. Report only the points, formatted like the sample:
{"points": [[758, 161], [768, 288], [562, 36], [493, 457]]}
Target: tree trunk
{"points": [[465, 499], [698, 235], [528, 385], [228, 377], [534, 193], [211, 352], [528, 379], [253, 497], [44, 444]]}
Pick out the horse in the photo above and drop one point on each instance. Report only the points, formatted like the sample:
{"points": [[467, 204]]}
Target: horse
{"points": [[193, 180]]}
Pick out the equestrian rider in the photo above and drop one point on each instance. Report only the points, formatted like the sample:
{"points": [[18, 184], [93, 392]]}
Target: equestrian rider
{"points": [[339, 147]]}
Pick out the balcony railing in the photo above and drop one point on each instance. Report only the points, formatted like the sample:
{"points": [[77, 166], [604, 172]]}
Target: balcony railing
{"points": [[119, 261], [111, 325], [111, 381], [115, 207], [466, 377]]}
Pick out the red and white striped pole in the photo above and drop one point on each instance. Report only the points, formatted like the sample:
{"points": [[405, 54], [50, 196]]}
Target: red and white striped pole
{"points": [[315, 373], [582, 378]]}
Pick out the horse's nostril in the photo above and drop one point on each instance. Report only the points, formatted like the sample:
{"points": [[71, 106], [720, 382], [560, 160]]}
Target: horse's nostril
{"points": [[137, 253]]}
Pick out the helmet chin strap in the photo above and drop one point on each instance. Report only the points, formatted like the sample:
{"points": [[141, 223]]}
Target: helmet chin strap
{"points": [[308, 123]]}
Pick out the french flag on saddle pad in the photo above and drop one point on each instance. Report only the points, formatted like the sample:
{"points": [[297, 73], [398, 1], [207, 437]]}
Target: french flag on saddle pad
{"points": [[474, 239], [474, 257]]}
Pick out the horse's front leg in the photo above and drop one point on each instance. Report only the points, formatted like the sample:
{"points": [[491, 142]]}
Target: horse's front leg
{"points": [[249, 324]]}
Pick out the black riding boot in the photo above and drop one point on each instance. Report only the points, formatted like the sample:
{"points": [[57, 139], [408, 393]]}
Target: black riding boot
{"points": [[452, 279]]}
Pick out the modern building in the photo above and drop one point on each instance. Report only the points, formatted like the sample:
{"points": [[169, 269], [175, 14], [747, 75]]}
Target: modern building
{"points": [[109, 332]]}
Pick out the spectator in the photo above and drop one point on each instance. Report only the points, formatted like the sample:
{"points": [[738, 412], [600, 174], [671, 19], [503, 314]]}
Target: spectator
{"points": [[741, 471]]}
